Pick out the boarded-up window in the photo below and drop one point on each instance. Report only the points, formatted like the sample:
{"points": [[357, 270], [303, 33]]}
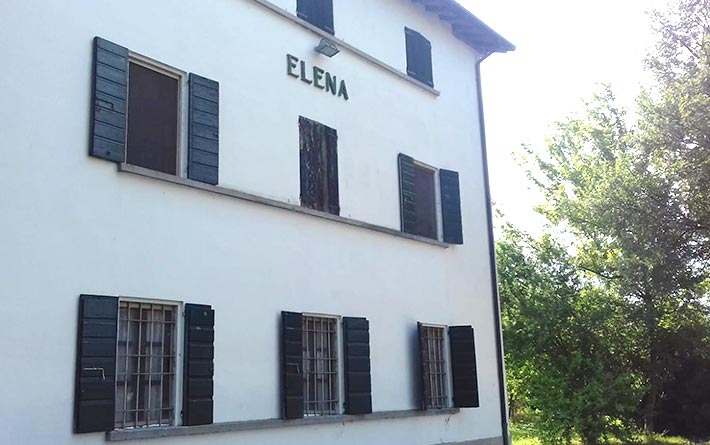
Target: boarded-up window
{"points": [[424, 185], [152, 120], [319, 166]]}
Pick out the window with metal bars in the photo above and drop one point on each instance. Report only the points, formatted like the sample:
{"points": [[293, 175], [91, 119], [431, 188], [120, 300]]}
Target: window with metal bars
{"points": [[145, 365], [435, 367], [321, 386]]}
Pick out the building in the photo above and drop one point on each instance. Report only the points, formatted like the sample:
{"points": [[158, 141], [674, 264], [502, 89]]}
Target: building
{"points": [[217, 230]]}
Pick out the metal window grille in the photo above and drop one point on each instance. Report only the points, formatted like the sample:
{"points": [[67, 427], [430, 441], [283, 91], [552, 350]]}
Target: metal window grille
{"points": [[145, 365], [320, 366], [435, 366]]}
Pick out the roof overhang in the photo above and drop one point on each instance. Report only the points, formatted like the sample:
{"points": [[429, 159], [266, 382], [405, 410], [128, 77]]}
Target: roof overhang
{"points": [[467, 27]]}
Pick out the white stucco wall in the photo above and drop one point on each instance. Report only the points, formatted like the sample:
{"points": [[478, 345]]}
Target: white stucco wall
{"points": [[71, 224]]}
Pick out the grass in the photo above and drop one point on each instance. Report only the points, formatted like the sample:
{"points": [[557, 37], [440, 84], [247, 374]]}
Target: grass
{"points": [[523, 434]]}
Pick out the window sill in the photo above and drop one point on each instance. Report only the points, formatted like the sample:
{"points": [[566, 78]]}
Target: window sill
{"points": [[344, 45], [140, 171], [253, 425]]}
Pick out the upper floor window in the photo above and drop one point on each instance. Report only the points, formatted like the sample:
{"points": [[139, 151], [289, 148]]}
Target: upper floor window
{"points": [[418, 57], [153, 116], [318, 13], [430, 201], [319, 166]]}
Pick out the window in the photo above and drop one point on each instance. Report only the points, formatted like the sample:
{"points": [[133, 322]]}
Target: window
{"points": [[153, 103], [319, 166], [142, 115], [145, 366], [418, 57], [430, 201], [127, 369], [320, 366], [317, 12], [435, 366], [318, 377], [449, 375]]}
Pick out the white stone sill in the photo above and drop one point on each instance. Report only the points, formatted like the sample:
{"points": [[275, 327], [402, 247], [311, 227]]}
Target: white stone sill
{"points": [[253, 425], [140, 171]]}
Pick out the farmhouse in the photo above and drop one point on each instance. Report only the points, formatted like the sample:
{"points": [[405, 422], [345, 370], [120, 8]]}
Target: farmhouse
{"points": [[247, 221]]}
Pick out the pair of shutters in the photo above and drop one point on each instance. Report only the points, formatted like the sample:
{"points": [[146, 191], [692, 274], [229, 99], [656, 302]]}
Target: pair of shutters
{"points": [[463, 367], [317, 12], [109, 122], [356, 353], [450, 200], [94, 400], [319, 166], [419, 57]]}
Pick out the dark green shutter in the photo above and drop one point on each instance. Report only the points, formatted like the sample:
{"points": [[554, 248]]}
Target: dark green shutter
{"points": [[451, 206], [326, 16], [463, 366], [407, 194], [109, 123], [95, 386], [424, 388], [203, 149], [418, 57], [331, 154], [198, 378], [318, 13], [292, 364], [358, 385]]}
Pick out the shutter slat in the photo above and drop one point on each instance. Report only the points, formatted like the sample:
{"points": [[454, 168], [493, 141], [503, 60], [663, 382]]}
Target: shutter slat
{"points": [[358, 384], [198, 379], [109, 121], [331, 152], [407, 193], [463, 366], [292, 364], [96, 364], [203, 130], [451, 206]]}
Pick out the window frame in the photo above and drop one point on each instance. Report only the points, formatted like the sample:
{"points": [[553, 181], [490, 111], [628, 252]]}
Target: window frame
{"points": [[340, 377], [448, 381], [438, 219], [181, 144], [179, 348]]}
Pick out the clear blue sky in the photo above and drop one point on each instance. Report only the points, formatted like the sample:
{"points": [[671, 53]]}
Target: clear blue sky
{"points": [[565, 48]]}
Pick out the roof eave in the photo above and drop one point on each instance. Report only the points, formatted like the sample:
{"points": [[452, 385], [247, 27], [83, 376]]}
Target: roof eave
{"points": [[467, 27]]}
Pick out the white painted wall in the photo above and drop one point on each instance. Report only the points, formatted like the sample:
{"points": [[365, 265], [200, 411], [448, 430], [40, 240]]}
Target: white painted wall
{"points": [[71, 224]]}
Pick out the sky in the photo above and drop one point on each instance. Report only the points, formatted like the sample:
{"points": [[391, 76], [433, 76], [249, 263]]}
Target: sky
{"points": [[564, 50]]}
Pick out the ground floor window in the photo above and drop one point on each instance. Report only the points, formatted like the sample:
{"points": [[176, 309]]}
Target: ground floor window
{"points": [[320, 366], [145, 365], [435, 367]]}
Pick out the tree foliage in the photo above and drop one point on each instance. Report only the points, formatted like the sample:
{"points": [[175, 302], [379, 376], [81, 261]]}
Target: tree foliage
{"points": [[635, 199], [566, 344]]}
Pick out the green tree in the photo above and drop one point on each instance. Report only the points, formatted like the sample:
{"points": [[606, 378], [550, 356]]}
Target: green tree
{"points": [[637, 199], [569, 344]]}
